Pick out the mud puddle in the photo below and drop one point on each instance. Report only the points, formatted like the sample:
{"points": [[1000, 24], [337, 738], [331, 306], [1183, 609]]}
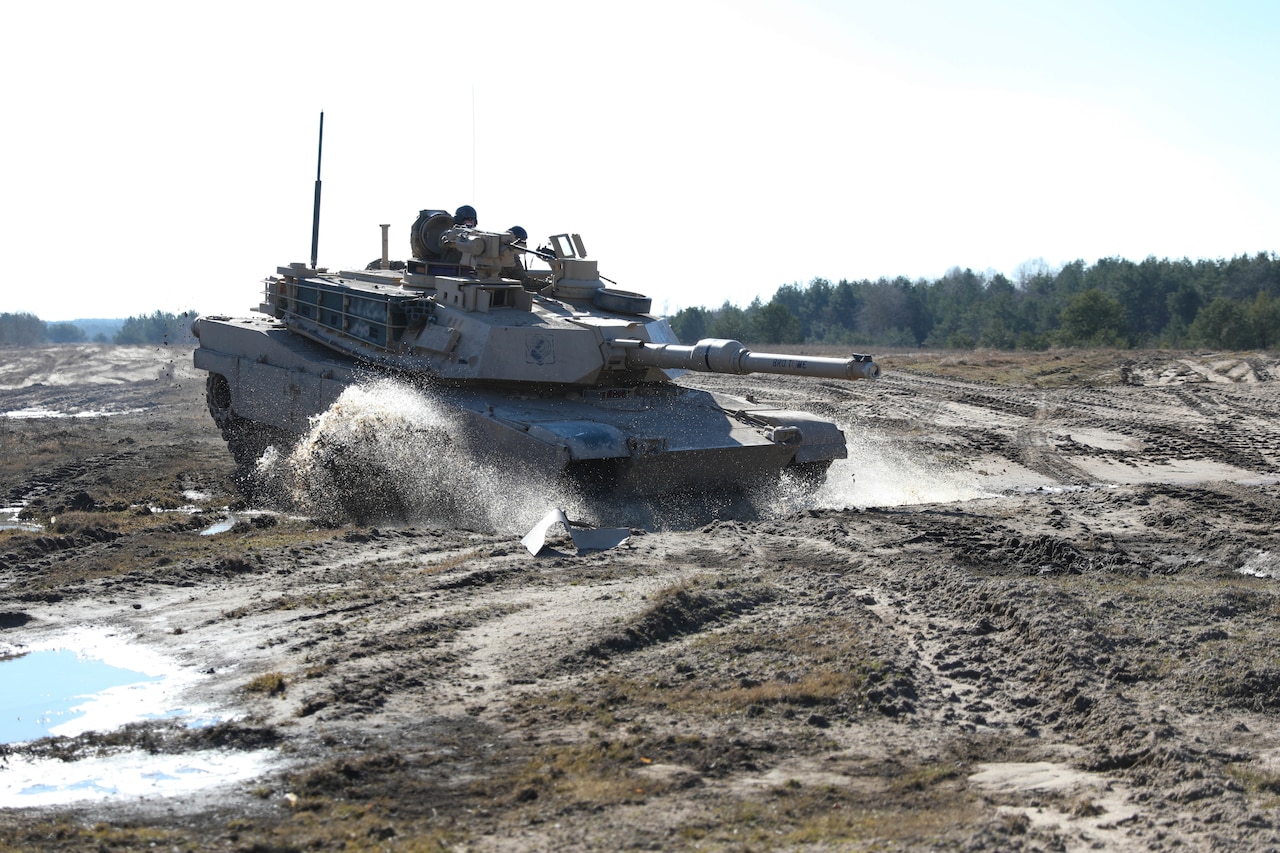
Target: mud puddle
{"points": [[132, 775], [91, 684], [48, 689], [10, 519], [52, 414]]}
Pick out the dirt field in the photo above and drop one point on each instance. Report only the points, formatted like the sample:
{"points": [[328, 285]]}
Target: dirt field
{"points": [[1035, 610]]}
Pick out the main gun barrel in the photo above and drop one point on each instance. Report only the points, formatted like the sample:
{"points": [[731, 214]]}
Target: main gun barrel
{"points": [[714, 355]]}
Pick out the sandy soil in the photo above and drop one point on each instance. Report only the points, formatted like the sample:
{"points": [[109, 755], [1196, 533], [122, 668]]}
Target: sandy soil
{"points": [[1035, 610]]}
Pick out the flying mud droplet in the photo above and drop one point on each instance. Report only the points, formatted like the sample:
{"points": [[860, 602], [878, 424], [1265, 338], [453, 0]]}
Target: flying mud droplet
{"points": [[387, 452]]}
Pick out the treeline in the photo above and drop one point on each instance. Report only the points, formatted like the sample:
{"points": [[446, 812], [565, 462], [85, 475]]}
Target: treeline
{"points": [[1224, 304], [25, 330]]}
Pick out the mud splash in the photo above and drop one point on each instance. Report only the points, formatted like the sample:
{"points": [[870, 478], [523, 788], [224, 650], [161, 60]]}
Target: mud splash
{"points": [[387, 451], [881, 472]]}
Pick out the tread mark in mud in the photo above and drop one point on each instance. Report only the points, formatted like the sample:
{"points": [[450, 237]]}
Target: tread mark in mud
{"points": [[69, 471], [1037, 451]]}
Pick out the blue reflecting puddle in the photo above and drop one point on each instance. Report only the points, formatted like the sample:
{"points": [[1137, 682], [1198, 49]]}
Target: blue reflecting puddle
{"points": [[41, 690], [49, 692]]}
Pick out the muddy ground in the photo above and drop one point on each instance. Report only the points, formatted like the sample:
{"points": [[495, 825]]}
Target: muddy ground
{"points": [[1036, 610]]}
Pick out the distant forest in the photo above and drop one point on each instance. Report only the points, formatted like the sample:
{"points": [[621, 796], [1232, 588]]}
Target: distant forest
{"points": [[1221, 304], [24, 330]]}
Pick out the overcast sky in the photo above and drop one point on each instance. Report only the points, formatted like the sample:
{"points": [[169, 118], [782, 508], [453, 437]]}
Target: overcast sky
{"points": [[162, 156]]}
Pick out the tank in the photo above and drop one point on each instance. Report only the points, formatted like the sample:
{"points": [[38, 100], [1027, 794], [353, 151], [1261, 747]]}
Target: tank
{"points": [[545, 368]]}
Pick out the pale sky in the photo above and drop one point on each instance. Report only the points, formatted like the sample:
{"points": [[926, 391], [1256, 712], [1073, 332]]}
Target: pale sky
{"points": [[162, 156]]}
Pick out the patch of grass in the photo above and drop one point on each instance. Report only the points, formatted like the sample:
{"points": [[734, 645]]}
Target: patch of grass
{"points": [[111, 835], [829, 817], [572, 706], [71, 835], [1257, 783], [808, 673], [317, 671], [1085, 807], [369, 835], [238, 612], [688, 607], [924, 777], [324, 823], [76, 522], [596, 773], [813, 688], [72, 522], [750, 666], [269, 683], [314, 600], [314, 824], [452, 561], [286, 533]]}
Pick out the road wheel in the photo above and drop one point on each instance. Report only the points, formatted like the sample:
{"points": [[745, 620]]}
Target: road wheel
{"points": [[247, 440]]}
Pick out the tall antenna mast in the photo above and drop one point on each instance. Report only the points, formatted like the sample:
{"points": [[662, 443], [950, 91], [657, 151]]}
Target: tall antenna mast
{"points": [[473, 143], [315, 215]]}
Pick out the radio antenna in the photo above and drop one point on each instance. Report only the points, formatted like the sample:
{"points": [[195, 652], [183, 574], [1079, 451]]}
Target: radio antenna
{"points": [[473, 143], [315, 214]]}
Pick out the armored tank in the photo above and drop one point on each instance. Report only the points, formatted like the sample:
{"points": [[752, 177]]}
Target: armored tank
{"points": [[545, 367]]}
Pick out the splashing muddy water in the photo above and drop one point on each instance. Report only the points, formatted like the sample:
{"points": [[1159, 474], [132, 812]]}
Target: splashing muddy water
{"points": [[387, 451], [881, 472]]}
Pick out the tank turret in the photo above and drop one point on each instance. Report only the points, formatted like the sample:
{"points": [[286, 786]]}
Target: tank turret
{"points": [[542, 362]]}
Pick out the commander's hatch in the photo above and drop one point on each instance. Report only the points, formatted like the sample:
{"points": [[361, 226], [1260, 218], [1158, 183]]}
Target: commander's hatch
{"points": [[568, 246]]}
